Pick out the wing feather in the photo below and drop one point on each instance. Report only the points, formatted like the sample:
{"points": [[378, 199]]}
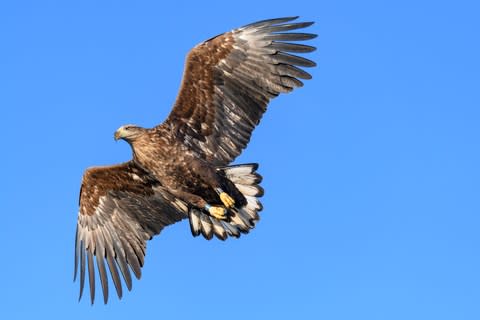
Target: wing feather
{"points": [[228, 82], [82, 268], [121, 207], [91, 274]]}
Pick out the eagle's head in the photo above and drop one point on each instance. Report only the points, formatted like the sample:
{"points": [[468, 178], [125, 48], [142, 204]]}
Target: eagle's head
{"points": [[128, 132]]}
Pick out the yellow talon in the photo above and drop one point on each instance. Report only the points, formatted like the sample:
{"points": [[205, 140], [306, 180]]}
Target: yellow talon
{"points": [[227, 200], [218, 212]]}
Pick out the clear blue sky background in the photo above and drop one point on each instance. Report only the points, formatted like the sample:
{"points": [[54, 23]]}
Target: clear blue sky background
{"points": [[371, 171]]}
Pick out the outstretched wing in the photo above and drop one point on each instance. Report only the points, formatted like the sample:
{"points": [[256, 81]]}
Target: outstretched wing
{"points": [[228, 82], [121, 207]]}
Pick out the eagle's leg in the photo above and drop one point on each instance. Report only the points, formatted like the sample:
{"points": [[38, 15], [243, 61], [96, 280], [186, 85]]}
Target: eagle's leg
{"points": [[215, 211], [211, 177], [225, 197]]}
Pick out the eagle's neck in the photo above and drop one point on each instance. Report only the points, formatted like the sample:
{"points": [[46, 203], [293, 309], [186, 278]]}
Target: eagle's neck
{"points": [[145, 150]]}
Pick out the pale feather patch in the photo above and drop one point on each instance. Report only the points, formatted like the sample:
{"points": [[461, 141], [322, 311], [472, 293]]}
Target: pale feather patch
{"points": [[207, 229], [135, 177], [180, 205], [239, 170], [253, 203], [246, 179], [248, 190], [195, 224]]}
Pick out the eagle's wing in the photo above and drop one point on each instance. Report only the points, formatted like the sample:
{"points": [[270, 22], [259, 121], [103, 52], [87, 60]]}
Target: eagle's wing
{"points": [[121, 207], [228, 82]]}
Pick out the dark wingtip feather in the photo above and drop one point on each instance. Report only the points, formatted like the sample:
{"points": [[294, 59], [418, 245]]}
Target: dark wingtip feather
{"points": [[290, 36], [103, 276], [289, 59], [77, 249], [91, 276], [269, 22], [291, 82], [121, 261], [131, 258], [291, 47], [261, 192], [82, 269], [284, 27], [114, 274]]}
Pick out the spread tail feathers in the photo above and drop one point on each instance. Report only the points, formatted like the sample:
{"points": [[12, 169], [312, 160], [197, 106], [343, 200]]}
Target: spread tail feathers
{"points": [[241, 218]]}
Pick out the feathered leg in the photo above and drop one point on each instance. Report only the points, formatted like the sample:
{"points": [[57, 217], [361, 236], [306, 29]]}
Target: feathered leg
{"points": [[215, 211], [211, 177]]}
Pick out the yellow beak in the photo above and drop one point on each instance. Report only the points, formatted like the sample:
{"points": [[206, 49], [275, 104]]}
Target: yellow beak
{"points": [[117, 135]]}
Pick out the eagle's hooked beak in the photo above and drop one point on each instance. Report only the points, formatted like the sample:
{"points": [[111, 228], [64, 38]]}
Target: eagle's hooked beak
{"points": [[117, 135]]}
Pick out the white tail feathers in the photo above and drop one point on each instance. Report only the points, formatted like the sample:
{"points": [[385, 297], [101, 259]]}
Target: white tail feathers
{"points": [[241, 219]]}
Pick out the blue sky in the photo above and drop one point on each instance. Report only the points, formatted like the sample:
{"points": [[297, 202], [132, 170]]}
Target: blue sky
{"points": [[371, 170]]}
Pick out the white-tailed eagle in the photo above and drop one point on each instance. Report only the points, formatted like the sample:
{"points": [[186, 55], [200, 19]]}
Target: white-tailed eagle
{"points": [[181, 168]]}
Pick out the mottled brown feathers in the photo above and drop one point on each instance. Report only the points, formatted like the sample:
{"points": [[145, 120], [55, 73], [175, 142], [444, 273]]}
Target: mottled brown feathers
{"points": [[199, 79], [228, 82], [121, 207], [180, 167], [98, 181]]}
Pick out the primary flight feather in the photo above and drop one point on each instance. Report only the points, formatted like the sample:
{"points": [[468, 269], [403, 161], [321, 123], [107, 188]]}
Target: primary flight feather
{"points": [[181, 168]]}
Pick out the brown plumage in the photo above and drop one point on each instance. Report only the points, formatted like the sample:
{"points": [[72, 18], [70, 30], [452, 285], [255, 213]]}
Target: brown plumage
{"points": [[181, 168]]}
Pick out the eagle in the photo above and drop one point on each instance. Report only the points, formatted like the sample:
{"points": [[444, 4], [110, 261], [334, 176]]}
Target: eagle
{"points": [[182, 168]]}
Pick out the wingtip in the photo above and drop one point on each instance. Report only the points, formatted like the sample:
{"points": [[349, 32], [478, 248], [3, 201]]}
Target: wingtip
{"points": [[270, 21], [291, 18]]}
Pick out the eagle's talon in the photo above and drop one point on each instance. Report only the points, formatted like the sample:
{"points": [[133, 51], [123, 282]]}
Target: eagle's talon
{"points": [[227, 200], [218, 212]]}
